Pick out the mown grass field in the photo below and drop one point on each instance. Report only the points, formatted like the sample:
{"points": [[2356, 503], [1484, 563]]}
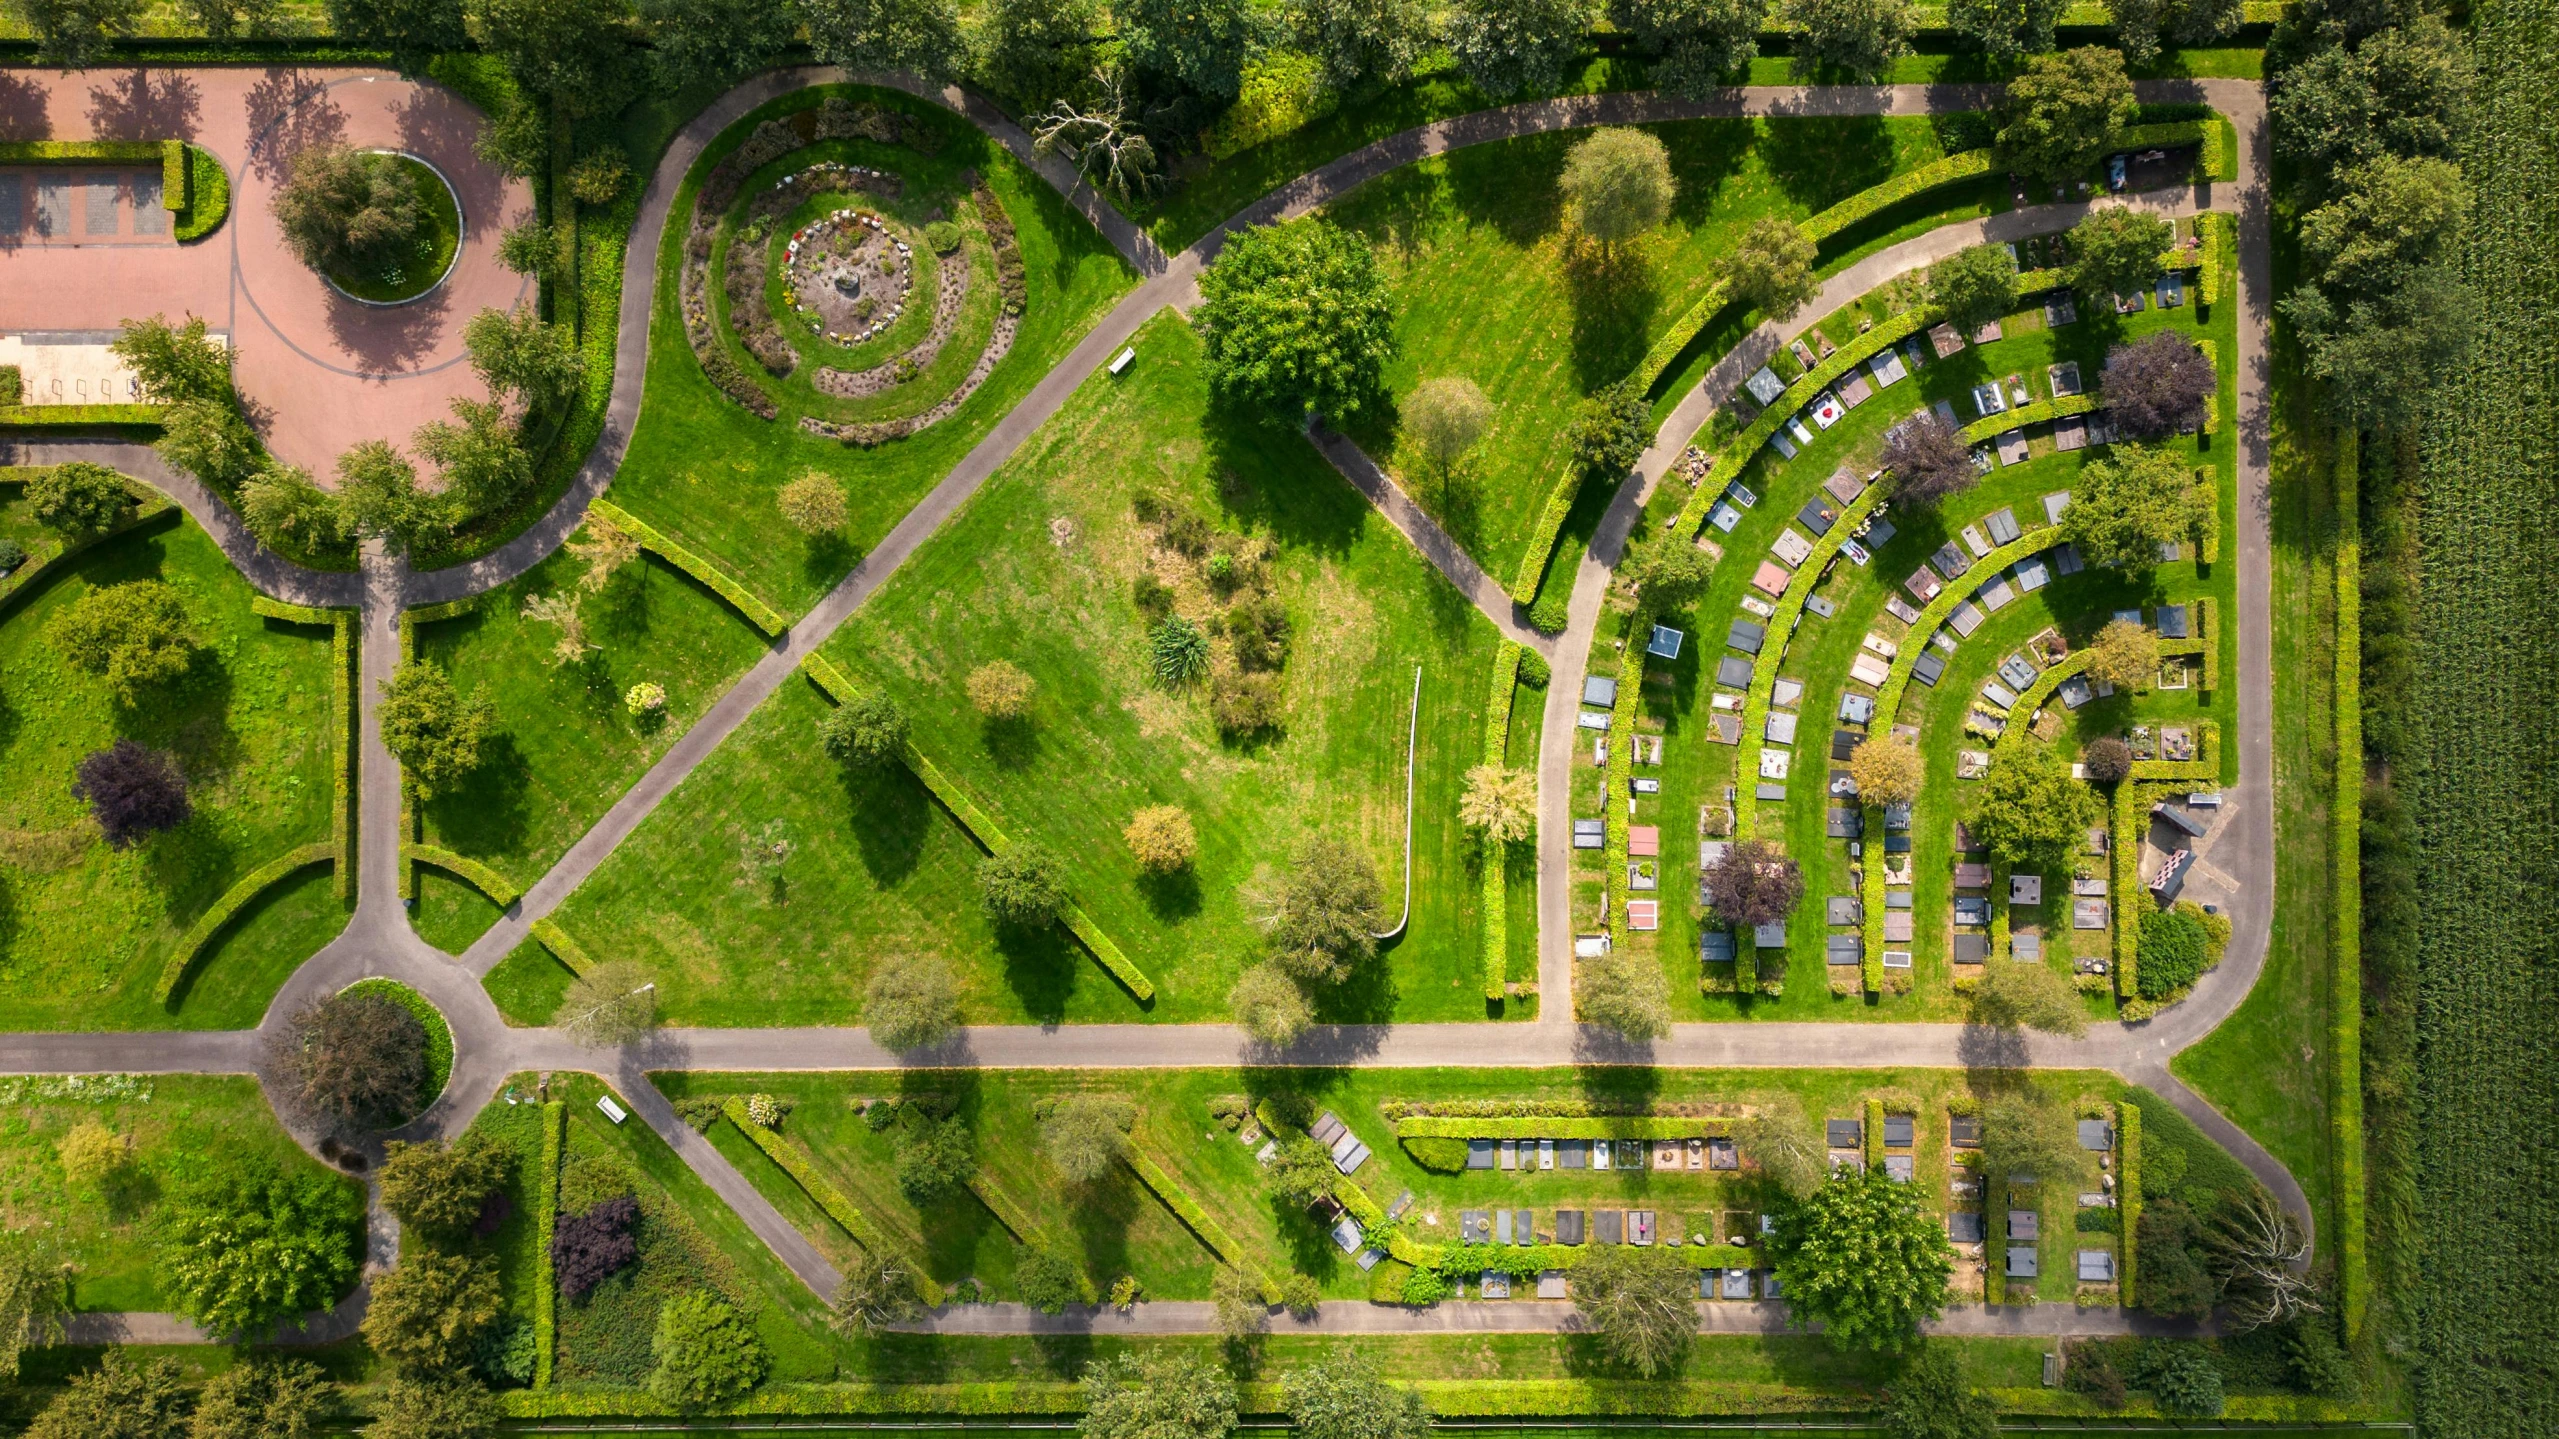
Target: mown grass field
{"points": [[706, 472], [1492, 284], [879, 867], [567, 746], [84, 928], [179, 1126]]}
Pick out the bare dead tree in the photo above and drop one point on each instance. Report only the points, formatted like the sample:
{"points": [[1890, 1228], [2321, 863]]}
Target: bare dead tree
{"points": [[2265, 1257], [1103, 141]]}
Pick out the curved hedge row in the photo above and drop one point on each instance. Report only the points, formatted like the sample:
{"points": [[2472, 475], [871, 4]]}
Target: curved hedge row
{"points": [[190, 946], [719, 581], [479, 876]]}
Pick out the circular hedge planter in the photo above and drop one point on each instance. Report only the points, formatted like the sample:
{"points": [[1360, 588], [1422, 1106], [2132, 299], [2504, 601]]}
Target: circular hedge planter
{"points": [[439, 1035], [430, 259]]}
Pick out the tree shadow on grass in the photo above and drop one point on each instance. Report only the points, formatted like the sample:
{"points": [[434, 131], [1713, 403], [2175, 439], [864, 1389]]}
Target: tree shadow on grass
{"points": [[1367, 997], [1514, 187], [890, 814], [1014, 743], [1821, 160], [1041, 964], [1268, 476], [1703, 155], [1614, 290], [488, 813], [827, 559], [1170, 897], [1101, 1214]]}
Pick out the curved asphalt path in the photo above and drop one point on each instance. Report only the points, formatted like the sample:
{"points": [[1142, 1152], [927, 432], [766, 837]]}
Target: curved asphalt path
{"points": [[379, 940]]}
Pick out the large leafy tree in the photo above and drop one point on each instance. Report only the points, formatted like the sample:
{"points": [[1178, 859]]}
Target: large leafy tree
{"points": [[866, 732], [1617, 184], [426, 1315], [2021, 1135], [922, 36], [2030, 812], [344, 209], [350, 1062], [123, 1398], [1037, 51], [33, 1291], [1610, 431], [2129, 504], [1974, 286], [1269, 1005], [1158, 1394], [2157, 386], [2064, 112], [705, 1351], [479, 457], [694, 42], [1084, 1135], [2007, 28], [2379, 357], [2141, 24], [1343, 1397], [2390, 218], [136, 636], [1754, 883], [438, 734], [1928, 460], [74, 33], [1323, 913], [2400, 91], [911, 1002], [1297, 316], [79, 499], [1624, 992], [434, 1409], [1511, 48], [2116, 250], [1199, 44], [878, 1290], [379, 495], [1887, 769], [412, 30], [1669, 572], [264, 1398], [576, 54], [1641, 1300], [519, 355], [246, 1246], [175, 362], [1859, 1255], [134, 792], [1355, 40], [1856, 40], [284, 508], [209, 440], [1771, 268], [1779, 1139], [1702, 44], [1928, 1399], [1023, 886], [442, 1189]]}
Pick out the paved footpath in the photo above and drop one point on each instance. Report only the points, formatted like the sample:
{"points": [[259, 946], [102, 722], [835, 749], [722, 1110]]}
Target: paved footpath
{"points": [[379, 939]]}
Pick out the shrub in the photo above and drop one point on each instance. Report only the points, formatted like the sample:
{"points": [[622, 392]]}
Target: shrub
{"points": [[1974, 286], [1447, 1156], [1023, 886], [435, 733], [598, 176], [1084, 1136], [2030, 811], [1048, 1283], [1771, 268], [261, 1398], [346, 208], [134, 792], [508, 1354], [942, 237], [441, 1189], [434, 1409], [645, 699], [2182, 1377], [1499, 803], [1157, 1394], [2157, 386], [594, 1244], [246, 1246], [1887, 770], [1551, 615], [94, 1156], [1301, 1294], [1617, 184], [1534, 671], [135, 636], [426, 1316], [1610, 431], [705, 1352], [934, 1157], [1258, 628], [1162, 838], [867, 731], [1000, 690], [122, 1396], [174, 363], [1243, 703], [12, 555], [2107, 760], [351, 1062], [1269, 1005], [79, 499], [814, 504], [2172, 952], [1755, 883], [911, 1002], [1179, 652]]}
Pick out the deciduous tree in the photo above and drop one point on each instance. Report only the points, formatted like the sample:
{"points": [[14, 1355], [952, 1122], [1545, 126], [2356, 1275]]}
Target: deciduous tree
{"points": [[594, 1244], [1357, 40], [1000, 690], [2007, 28], [35, 1289], [2157, 386], [911, 1002], [2402, 90], [2129, 504], [2117, 250], [1037, 51], [1500, 803], [1047, 1281], [575, 54], [814, 504], [1928, 460], [442, 1189], [516, 354], [411, 30], [1270, 1005], [2106, 760], [1342, 1396], [1199, 44], [209, 440], [1754, 883], [867, 731], [934, 1157], [609, 1005], [1617, 184], [435, 732], [1297, 316], [2022, 1135], [1929, 1400], [348, 209], [245, 1246], [2031, 814], [1157, 1394], [1162, 839], [1974, 286], [427, 1314], [136, 636], [2391, 218], [1511, 48], [1624, 993], [2141, 24], [877, 1290], [1780, 1140], [1302, 1173], [1857, 40], [2125, 654], [1702, 44], [79, 499], [705, 1352], [378, 490], [1887, 770], [133, 791], [2027, 994], [264, 1398], [171, 363], [1860, 1256], [283, 507], [1025, 885], [698, 42], [1640, 1300], [1771, 268], [123, 1398], [2064, 111], [74, 33], [1669, 572], [1610, 430], [350, 1062], [1321, 917], [1084, 1135], [479, 458]]}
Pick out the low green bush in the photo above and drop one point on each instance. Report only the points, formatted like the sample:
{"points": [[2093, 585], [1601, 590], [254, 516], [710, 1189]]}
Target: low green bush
{"points": [[1448, 1156], [208, 191], [2172, 952]]}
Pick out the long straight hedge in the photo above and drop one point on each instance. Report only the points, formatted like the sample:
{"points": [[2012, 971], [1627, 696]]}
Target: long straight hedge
{"points": [[41, 417], [190, 946], [1198, 1220], [2345, 998], [719, 581], [838, 686], [2127, 1194], [172, 155], [564, 949], [1631, 1126], [1497, 887], [546, 1216], [791, 1160]]}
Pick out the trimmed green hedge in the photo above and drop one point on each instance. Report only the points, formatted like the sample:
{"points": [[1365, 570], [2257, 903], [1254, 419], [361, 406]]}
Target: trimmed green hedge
{"points": [[546, 1214], [1874, 1132], [40, 417], [791, 1161], [2345, 998], [990, 1398], [2036, 694], [2127, 1193], [564, 949], [1874, 200], [1541, 541], [839, 687], [1632, 1126], [720, 582], [1199, 1220], [481, 877], [268, 607], [1497, 888], [345, 733], [50, 550], [208, 192], [2204, 768], [1682, 333], [1781, 627], [1447, 1156], [172, 155], [190, 946]]}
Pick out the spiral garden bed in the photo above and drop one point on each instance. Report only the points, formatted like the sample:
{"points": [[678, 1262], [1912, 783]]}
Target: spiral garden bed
{"points": [[824, 279]]}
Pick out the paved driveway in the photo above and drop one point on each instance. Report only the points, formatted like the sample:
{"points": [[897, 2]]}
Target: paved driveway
{"points": [[319, 371]]}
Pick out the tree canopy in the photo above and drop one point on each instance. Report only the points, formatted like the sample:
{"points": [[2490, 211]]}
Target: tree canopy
{"points": [[1200, 45], [136, 636], [1084, 1135], [2064, 111], [1754, 883], [436, 734], [2029, 995], [1157, 1394], [427, 1314], [174, 363], [515, 353], [918, 36], [2157, 386], [246, 1246], [1854, 40], [1859, 1255], [442, 1189], [2007, 28], [1974, 286], [2124, 654], [608, 1005], [133, 791], [1624, 992], [1023, 886], [1887, 769], [867, 731], [1297, 316], [1701, 44], [1323, 914], [1771, 267], [1929, 1400], [2116, 250], [348, 209], [123, 1398], [1270, 1005], [351, 1062], [1341, 1396], [1610, 430], [1355, 40], [1669, 572], [1516, 48], [2127, 505], [1500, 803], [2021, 1134], [911, 1001], [706, 1352], [2030, 813], [1640, 1300], [1928, 460], [79, 499], [1617, 184]]}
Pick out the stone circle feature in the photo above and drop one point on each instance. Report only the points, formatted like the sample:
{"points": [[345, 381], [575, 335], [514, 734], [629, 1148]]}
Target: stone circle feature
{"points": [[848, 276]]}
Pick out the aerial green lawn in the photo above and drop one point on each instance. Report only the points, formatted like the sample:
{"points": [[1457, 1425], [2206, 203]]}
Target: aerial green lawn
{"points": [[706, 472], [178, 1126], [1119, 1226], [1678, 700], [84, 928], [1492, 285], [568, 746], [1038, 571]]}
